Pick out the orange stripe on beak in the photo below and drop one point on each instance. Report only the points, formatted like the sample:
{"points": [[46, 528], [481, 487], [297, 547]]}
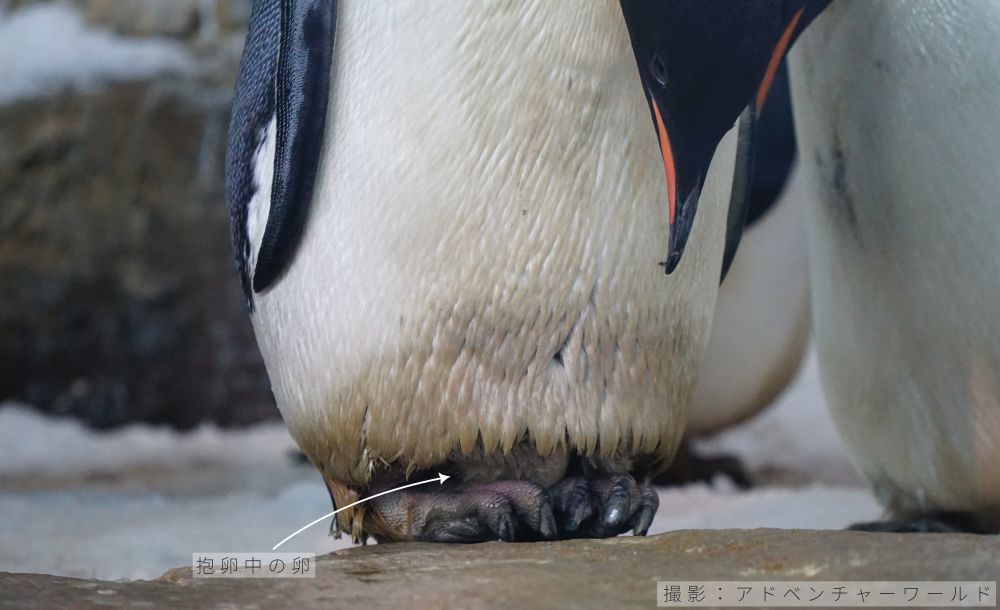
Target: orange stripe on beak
{"points": [[668, 161], [779, 52]]}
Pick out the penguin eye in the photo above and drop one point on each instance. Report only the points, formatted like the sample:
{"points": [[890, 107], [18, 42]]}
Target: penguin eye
{"points": [[658, 69]]}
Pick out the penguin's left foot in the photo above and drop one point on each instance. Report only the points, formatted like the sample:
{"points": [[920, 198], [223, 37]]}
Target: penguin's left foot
{"points": [[935, 523], [690, 467], [467, 512]]}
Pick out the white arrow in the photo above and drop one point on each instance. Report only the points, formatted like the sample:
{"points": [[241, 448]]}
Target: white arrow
{"points": [[441, 478]]}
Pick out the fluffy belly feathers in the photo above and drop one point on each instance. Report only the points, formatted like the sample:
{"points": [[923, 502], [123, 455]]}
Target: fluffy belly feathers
{"points": [[481, 261]]}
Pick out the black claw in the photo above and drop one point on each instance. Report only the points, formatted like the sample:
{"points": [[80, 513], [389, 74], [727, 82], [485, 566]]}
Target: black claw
{"points": [[460, 530], [581, 512], [642, 522], [505, 528], [617, 507], [573, 502], [648, 505], [547, 524]]}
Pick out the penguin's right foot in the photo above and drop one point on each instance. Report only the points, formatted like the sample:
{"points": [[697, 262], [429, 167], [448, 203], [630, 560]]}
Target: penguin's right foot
{"points": [[603, 507], [512, 510]]}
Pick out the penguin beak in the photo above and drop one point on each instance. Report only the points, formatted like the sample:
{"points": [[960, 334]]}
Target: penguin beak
{"points": [[703, 63], [682, 196]]}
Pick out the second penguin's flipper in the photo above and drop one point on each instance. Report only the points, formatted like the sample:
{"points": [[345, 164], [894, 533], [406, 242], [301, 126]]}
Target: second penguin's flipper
{"points": [[764, 158], [302, 91], [739, 199]]}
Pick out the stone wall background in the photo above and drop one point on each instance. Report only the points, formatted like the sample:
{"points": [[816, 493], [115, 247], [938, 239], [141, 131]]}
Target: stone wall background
{"points": [[118, 296]]}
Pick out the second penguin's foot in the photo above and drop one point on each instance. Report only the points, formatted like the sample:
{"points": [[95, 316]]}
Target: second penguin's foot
{"points": [[936, 523], [691, 467]]}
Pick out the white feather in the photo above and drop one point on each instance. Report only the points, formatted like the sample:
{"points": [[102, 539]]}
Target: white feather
{"points": [[259, 207]]}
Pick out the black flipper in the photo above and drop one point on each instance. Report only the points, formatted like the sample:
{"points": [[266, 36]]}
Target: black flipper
{"points": [[766, 149], [302, 92], [774, 148], [761, 175], [739, 199], [253, 108]]}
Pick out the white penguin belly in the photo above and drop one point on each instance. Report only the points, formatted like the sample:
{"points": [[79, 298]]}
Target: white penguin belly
{"points": [[761, 325], [480, 264], [897, 116]]}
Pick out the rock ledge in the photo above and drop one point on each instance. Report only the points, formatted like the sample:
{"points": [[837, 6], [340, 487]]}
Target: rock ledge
{"points": [[615, 573]]}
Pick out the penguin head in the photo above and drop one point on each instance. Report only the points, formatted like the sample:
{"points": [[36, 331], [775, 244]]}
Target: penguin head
{"points": [[702, 63]]}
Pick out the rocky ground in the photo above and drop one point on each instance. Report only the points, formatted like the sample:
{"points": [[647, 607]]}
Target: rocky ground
{"points": [[618, 573]]}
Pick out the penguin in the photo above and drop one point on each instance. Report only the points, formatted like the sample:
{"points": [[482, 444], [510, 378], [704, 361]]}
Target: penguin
{"points": [[897, 118], [760, 330], [485, 240]]}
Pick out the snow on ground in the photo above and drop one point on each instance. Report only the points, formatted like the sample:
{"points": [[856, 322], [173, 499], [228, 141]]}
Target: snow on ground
{"points": [[137, 502], [48, 47]]}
